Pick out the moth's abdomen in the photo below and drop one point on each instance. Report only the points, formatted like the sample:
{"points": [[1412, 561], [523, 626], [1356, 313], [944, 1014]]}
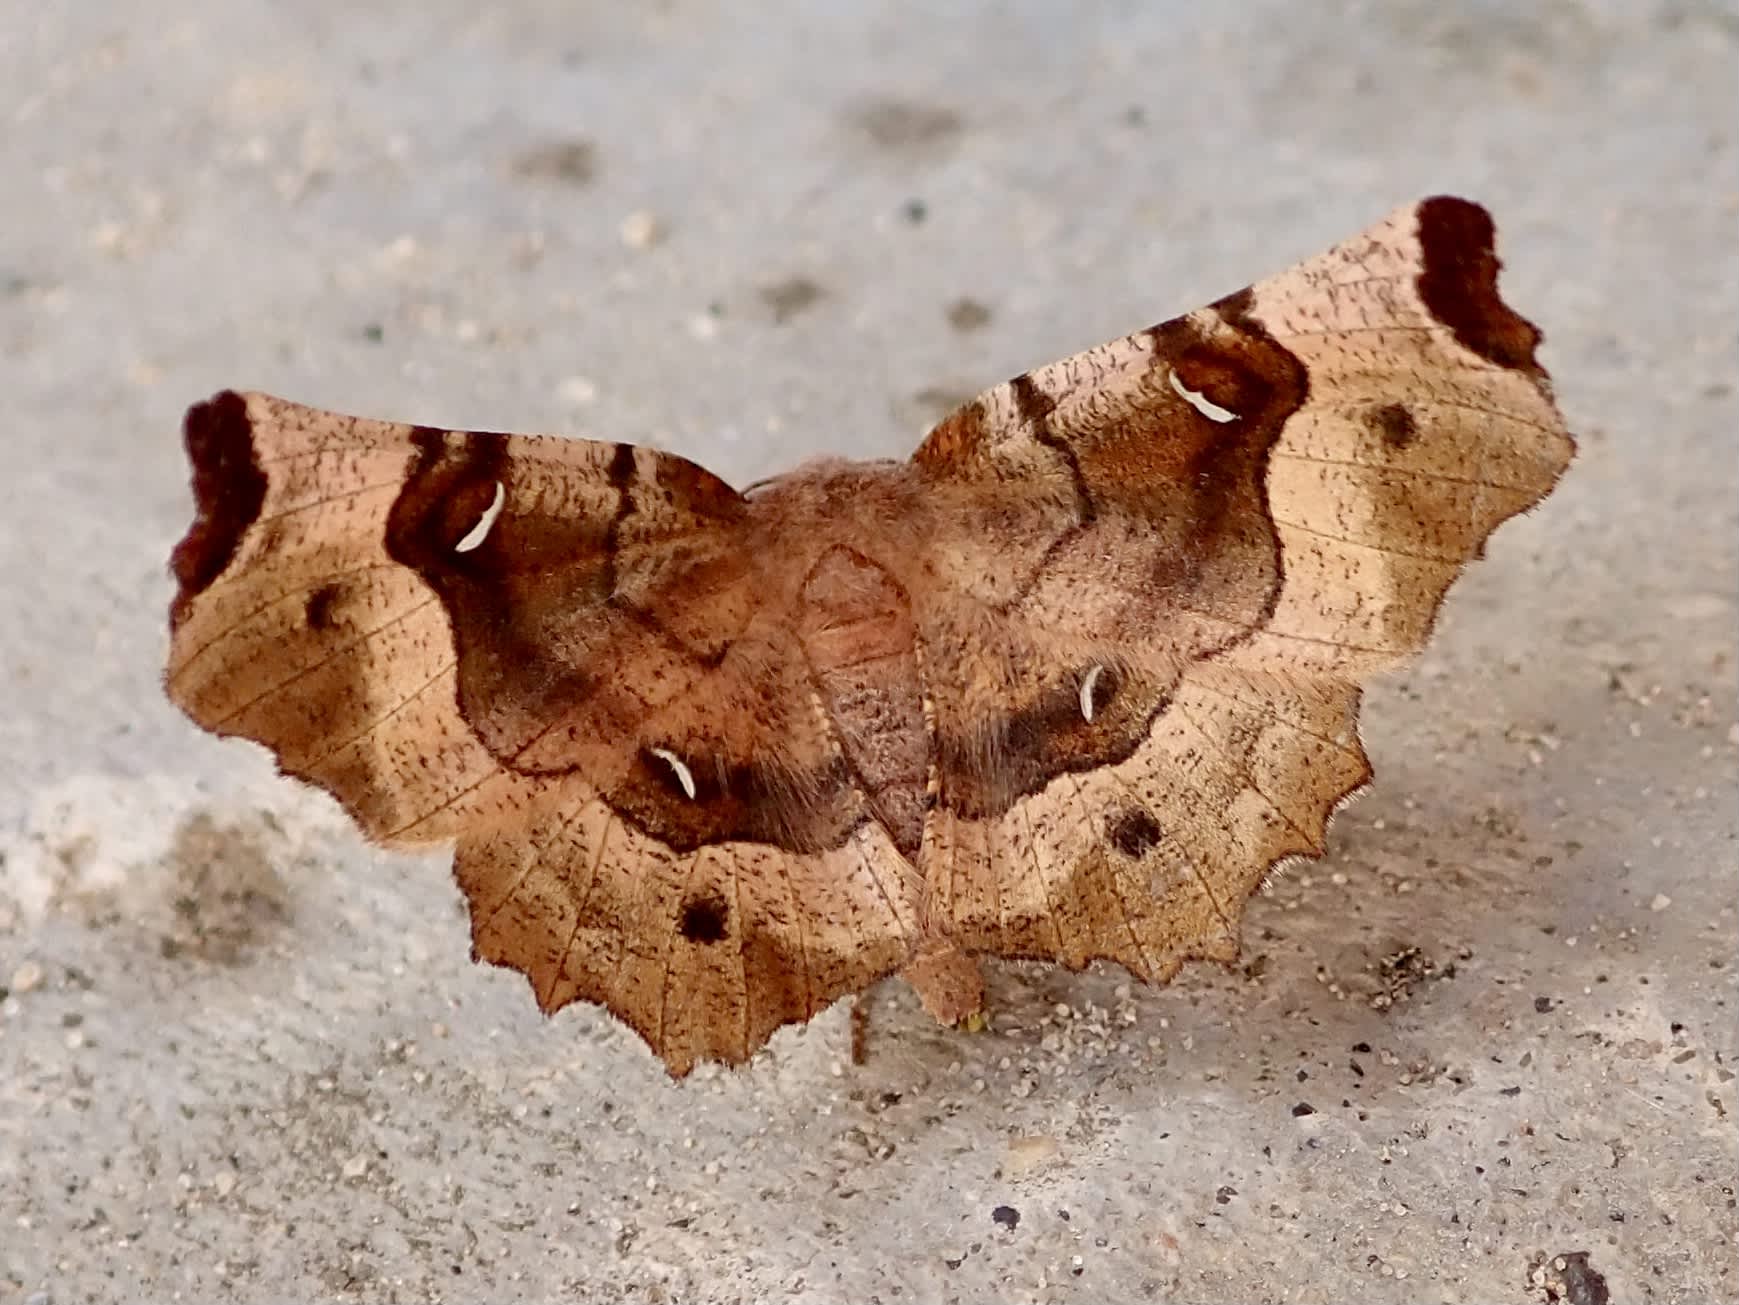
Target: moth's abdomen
{"points": [[861, 646]]}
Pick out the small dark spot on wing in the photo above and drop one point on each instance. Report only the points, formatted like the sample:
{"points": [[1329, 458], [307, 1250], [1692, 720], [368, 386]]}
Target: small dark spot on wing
{"points": [[1394, 424], [318, 610], [1134, 833], [705, 919]]}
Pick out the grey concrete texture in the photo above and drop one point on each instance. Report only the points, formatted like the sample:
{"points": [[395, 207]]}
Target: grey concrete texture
{"points": [[243, 1056]]}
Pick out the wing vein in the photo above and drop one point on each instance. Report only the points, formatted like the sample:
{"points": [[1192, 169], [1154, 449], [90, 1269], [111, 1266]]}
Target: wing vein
{"points": [[1044, 879], [744, 1023], [1246, 774], [1412, 473], [447, 803], [670, 937], [381, 719], [1116, 880], [1433, 400], [802, 938], [1338, 746], [1439, 559], [585, 897], [327, 501], [242, 620], [339, 651]]}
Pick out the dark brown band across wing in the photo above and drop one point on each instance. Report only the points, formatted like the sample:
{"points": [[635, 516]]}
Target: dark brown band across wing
{"points": [[510, 595], [741, 803], [1197, 488], [504, 673], [552, 628]]}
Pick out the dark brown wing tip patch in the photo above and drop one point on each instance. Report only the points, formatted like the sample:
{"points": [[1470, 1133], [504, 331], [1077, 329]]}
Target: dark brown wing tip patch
{"points": [[1458, 284], [229, 488]]}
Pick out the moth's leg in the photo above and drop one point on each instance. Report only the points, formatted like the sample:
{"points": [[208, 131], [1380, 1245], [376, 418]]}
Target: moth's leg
{"points": [[948, 982], [860, 1027]]}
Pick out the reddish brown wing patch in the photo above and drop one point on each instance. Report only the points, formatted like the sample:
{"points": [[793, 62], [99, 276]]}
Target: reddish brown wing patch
{"points": [[1166, 554], [855, 625]]}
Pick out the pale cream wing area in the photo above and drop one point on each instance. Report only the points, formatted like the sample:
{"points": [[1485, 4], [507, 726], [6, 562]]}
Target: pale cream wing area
{"points": [[1411, 449]]}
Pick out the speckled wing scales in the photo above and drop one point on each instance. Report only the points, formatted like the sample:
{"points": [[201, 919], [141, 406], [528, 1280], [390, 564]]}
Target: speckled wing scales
{"points": [[558, 653], [1216, 531]]}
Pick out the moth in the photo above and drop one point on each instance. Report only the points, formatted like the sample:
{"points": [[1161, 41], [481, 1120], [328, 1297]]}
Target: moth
{"points": [[1068, 684]]}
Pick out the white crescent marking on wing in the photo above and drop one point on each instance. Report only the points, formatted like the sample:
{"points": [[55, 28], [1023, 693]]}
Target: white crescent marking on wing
{"points": [[684, 776], [1201, 403], [1088, 680], [479, 532]]}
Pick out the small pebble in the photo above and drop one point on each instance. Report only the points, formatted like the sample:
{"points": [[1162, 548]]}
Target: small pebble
{"points": [[26, 977], [1031, 1152], [641, 230], [356, 1166], [1660, 903], [577, 390], [402, 250]]}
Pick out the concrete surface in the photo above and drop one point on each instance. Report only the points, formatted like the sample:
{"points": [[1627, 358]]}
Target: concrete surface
{"points": [[244, 1057]]}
